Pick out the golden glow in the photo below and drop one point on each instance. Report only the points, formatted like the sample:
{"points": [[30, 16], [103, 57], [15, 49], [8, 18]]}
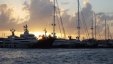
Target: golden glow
{"points": [[37, 34], [62, 11], [51, 0], [20, 15], [85, 2]]}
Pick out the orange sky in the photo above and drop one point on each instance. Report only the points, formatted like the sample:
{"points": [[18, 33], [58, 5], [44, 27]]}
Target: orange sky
{"points": [[68, 9]]}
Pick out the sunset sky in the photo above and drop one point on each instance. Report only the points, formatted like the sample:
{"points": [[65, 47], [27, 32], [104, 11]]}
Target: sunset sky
{"points": [[38, 15]]}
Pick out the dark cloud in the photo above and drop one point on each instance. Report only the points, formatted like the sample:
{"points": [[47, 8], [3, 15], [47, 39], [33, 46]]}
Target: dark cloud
{"points": [[6, 20], [86, 18], [40, 9], [104, 16], [41, 14]]}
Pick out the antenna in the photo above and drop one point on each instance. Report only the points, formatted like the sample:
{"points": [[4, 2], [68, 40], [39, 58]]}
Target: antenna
{"points": [[26, 31], [26, 27], [13, 30], [45, 32]]}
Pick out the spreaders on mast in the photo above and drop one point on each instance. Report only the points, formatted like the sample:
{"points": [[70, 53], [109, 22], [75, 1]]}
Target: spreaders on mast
{"points": [[54, 24], [78, 27]]}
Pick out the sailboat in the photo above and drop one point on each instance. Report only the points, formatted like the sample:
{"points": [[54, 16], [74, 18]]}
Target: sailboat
{"points": [[91, 42], [68, 43]]}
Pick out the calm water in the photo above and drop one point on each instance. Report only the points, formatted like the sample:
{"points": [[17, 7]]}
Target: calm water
{"points": [[56, 56]]}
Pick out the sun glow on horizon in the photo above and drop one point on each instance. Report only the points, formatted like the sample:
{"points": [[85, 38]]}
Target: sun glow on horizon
{"points": [[5, 34], [37, 34]]}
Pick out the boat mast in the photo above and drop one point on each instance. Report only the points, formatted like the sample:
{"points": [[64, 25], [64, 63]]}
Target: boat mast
{"points": [[95, 25], [92, 29], [108, 31], [54, 24], [78, 27], [105, 28]]}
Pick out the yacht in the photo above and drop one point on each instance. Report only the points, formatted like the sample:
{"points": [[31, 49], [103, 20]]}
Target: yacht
{"points": [[25, 40]]}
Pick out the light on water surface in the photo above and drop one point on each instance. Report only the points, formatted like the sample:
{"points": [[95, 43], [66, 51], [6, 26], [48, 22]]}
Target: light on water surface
{"points": [[56, 56]]}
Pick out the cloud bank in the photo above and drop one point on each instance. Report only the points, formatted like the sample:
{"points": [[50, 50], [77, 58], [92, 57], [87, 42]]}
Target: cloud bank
{"points": [[41, 17], [6, 20]]}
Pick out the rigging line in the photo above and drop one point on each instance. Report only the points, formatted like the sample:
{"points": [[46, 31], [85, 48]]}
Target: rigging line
{"points": [[58, 23], [99, 34], [109, 33], [95, 24], [54, 24], [59, 26], [92, 27], [86, 29], [87, 32], [97, 30], [105, 29], [61, 20]]}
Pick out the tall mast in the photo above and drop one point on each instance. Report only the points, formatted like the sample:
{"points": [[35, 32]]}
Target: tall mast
{"points": [[95, 25], [78, 27], [105, 28], [92, 29], [54, 24]]}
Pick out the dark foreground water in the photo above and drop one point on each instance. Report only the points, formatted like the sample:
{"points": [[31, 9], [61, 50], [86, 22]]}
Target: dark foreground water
{"points": [[56, 56]]}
